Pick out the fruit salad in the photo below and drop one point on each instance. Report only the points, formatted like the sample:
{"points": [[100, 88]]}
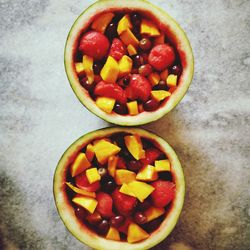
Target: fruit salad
{"points": [[121, 186], [127, 63]]}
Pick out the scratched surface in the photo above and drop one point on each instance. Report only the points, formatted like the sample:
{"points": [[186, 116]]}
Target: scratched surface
{"points": [[40, 116]]}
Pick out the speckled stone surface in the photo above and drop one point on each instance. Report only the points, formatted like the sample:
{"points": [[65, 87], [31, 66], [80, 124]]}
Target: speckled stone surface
{"points": [[40, 116]]}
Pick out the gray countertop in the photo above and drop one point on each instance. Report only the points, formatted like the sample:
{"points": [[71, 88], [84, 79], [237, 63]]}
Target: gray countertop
{"points": [[40, 116]]}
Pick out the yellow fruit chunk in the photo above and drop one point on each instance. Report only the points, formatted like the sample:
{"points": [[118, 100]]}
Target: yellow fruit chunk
{"points": [[133, 108], [87, 202], [136, 233], [160, 95], [124, 24], [126, 190], [88, 66], [81, 191], [147, 173], [110, 70], [172, 80], [105, 103], [79, 68], [112, 164], [162, 165], [79, 165], [128, 37], [101, 23], [131, 50], [140, 189], [93, 175], [149, 28], [104, 149], [164, 75], [113, 234], [159, 40], [90, 152], [153, 213], [125, 66], [154, 78], [134, 146], [124, 176]]}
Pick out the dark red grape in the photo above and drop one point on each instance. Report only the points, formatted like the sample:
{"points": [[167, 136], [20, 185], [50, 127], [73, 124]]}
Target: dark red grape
{"points": [[85, 83], [117, 221], [144, 205], [145, 70], [140, 218], [176, 70], [111, 31], [97, 68], [108, 184], [126, 80], [135, 19], [137, 61], [161, 86], [103, 227], [134, 165], [120, 109], [80, 213], [151, 105], [145, 44]]}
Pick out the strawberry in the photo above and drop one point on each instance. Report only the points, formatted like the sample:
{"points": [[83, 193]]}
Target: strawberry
{"points": [[82, 182], [111, 90], [163, 194], [161, 56], [151, 154], [94, 44], [105, 205], [117, 49]]}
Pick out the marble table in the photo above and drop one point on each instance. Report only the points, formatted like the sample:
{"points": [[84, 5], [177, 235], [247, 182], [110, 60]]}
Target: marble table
{"points": [[40, 116]]}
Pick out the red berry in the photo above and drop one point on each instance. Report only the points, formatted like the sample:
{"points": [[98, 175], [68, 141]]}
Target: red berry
{"points": [[82, 182], [111, 90], [105, 205], [94, 44], [117, 49], [139, 88], [163, 194], [151, 154], [161, 56]]}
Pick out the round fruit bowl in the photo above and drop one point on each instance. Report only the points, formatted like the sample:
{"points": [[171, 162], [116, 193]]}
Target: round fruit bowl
{"points": [[139, 208], [127, 61]]}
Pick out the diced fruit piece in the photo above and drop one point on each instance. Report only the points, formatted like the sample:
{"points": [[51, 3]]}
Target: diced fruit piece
{"points": [[153, 213], [140, 189], [90, 152], [164, 75], [104, 149], [131, 50], [87, 62], [149, 28], [92, 175], [163, 194], [162, 165], [128, 37], [117, 221], [134, 146], [81, 191], [140, 218], [124, 176], [123, 203], [105, 103], [101, 23], [172, 80], [80, 164], [160, 95], [82, 182], [79, 68], [87, 202], [126, 190], [159, 40], [151, 105], [105, 205], [125, 66], [154, 78], [139, 88], [148, 173], [161, 56], [94, 44], [111, 90], [112, 164], [113, 234], [110, 70], [94, 218], [117, 49], [152, 154], [133, 108], [136, 233], [124, 24]]}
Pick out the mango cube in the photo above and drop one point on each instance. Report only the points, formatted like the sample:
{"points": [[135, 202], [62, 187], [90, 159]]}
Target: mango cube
{"points": [[134, 146], [159, 40], [81, 191], [160, 95], [104, 149], [172, 80], [112, 164], [136, 233], [93, 175], [164, 75], [140, 189], [110, 70], [105, 103], [153, 213], [87, 202], [126, 190], [162, 165], [149, 28], [125, 65], [124, 176], [124, 24], [79, 165], [79, 68], [131, 50], [128, 37], [154, 78], [101, 23], [133, 108], [147, 173], [90, 152], [88, 66], [113, 234]]}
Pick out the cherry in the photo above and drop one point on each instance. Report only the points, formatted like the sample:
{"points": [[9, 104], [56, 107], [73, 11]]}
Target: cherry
{"points": [[145, 44], [103, 227], [102, 172], [151, 105], [120, 109], [117, 220], [145, 69], [176, 70], [134, 165], [140, 218], [80, 213], [111, 31]]}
